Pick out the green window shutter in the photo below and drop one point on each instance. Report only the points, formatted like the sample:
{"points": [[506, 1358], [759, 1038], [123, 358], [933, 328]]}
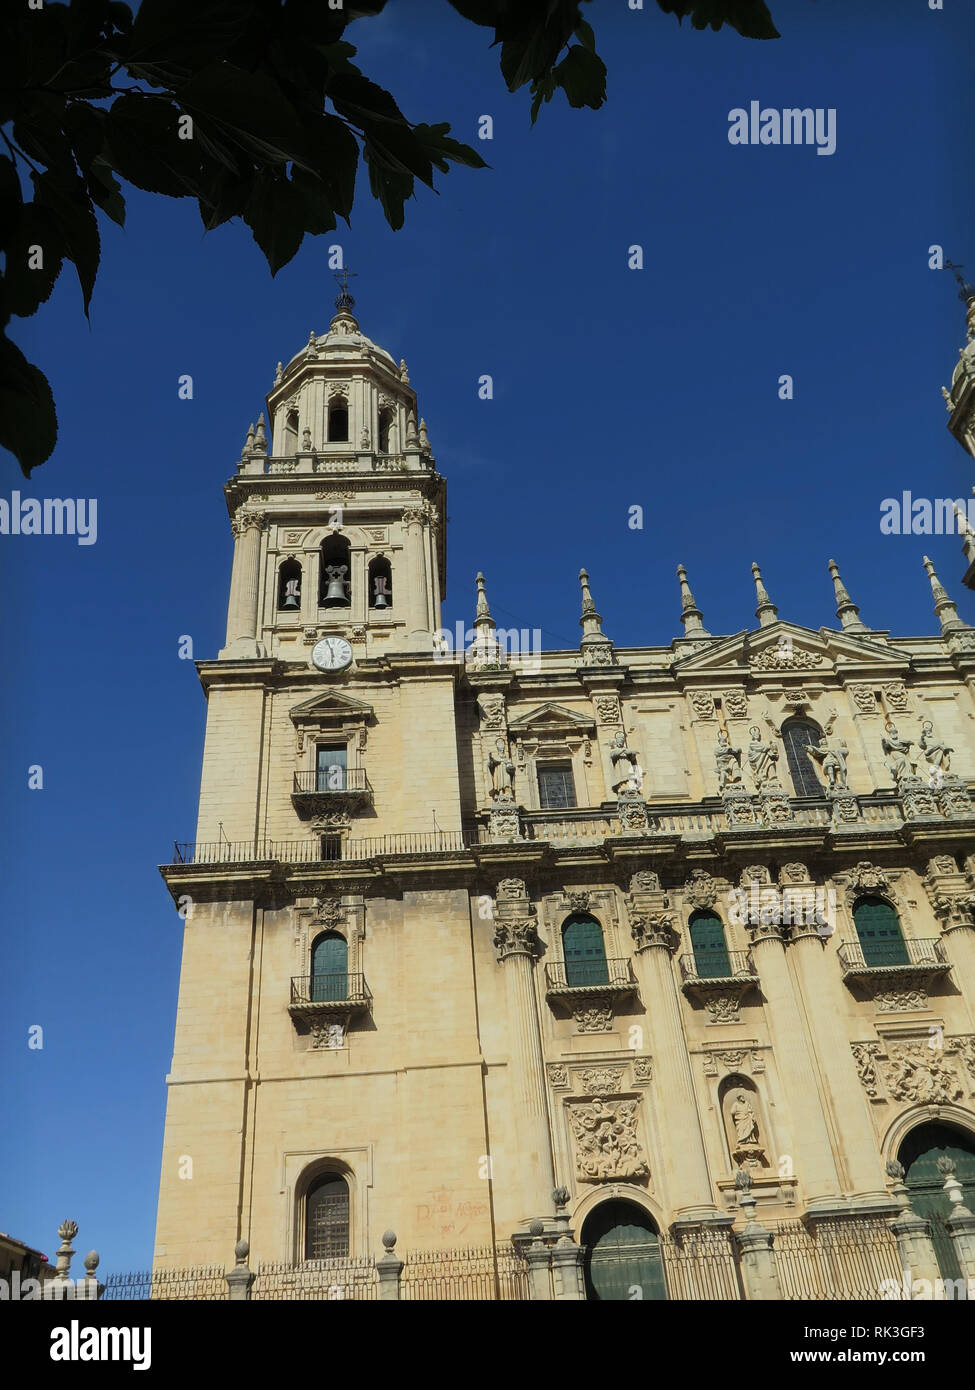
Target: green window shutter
{"points": [[584, 952], [708, 944], [329, 968], [880, 934]]}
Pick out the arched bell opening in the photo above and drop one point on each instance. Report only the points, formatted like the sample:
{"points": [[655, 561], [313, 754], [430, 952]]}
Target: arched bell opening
{"points": [[335, 589], [380, 583], [289, 587], [338, 420]]}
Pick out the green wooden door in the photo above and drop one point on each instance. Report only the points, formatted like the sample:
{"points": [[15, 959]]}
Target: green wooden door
{"points": [[919, 1154], [623, 1259], [329, 968], [708, 944], [880, 933], [584, 952]]}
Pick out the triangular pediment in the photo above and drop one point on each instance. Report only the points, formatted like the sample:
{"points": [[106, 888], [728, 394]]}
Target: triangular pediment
{"points": [[788, 649], [332, 705], [551, 716]]}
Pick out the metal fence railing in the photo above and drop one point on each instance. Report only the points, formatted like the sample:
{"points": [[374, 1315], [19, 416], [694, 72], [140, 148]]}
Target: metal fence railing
{"points": [[838, 1260], [480, 1272]]}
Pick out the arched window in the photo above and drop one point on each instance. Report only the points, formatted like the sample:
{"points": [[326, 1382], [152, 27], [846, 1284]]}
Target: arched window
{"points": [[338, 420], [327, 1218], [798, 735], [708, 944], [385, 424], [380, 583], [583, 951], [334, 588], [291, 433], [289, 587], [879, 930], [329, 968]]}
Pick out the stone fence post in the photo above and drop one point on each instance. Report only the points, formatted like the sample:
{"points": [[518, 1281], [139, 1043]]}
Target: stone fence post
{"points": [[961, 1222], [240, 1279], [759, 1268], [914, 1244], [389, 1268], [568, 1279], [537, 1257]]}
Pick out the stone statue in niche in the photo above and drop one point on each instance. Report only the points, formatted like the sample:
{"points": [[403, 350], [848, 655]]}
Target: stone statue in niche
{"points": [[627, 776], [898, 751], [762, 758], [832, 762], [747, 1149], [306, 440], [727, 761], [502, 771], [936, 755]]}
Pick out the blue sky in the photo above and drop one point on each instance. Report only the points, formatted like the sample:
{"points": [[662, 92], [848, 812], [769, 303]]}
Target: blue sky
{"points": [[612, 388]]}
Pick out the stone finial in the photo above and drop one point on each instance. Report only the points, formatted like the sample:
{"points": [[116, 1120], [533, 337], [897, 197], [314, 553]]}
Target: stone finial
{"points": [[945, 610], [485, 650], [412, 440], [249, 441], [389, 1241], [424, 437], [597, 649], [743, 1180], [241, 1250], [894, 1170], [312, 345], [404, 374], [766, 612], [536, 1228], [92, 1260], [846, 610], [67, 1231], [260, 438], [278, 372], [560, 1196], [690, 614]]}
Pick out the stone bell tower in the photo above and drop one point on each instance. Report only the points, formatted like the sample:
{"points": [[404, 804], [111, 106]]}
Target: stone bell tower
{"points": [[337, 518]]}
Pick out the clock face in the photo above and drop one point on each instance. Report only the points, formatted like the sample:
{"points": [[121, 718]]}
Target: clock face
{"points": [[331, 654]]}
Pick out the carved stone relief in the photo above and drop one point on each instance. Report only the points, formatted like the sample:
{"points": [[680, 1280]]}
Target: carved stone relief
{"points": [[606, 1142]]}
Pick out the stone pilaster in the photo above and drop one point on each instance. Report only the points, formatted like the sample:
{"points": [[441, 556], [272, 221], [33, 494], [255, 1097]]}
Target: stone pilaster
{"points": [[813, 1159], [686, 1178], [914, 1244], [516, 944], [819, 987], [242, 618], [414, 519]]}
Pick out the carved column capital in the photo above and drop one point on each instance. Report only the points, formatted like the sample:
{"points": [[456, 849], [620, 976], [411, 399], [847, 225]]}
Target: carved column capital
{"points": [[515, 938]]}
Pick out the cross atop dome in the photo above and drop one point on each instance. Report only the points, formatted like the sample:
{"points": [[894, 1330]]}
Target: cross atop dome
{"points": [[344, 299]]}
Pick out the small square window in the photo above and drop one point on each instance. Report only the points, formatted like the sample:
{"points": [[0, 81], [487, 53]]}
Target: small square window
{"points": [[555, 786]]}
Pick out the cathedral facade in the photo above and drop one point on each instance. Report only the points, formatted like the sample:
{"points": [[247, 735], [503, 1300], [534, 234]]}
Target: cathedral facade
{"points": [[684, 934]]}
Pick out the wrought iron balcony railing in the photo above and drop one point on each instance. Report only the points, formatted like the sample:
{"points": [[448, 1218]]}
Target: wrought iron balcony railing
{"points": [[326, 780], [334, 988], [864, 957], [611, 976], [706, 966]]}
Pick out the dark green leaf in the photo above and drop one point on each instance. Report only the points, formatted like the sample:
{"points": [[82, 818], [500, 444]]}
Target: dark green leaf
{"points": [[28, 420], [251, 105], [334, 153], [11, 198], [442, 148], [391, 186], [24, 287], [751, 18], [275, 213], [103, 189], [77, 225], [84, 126], [582, 76], [318, 215], [144, 146]]}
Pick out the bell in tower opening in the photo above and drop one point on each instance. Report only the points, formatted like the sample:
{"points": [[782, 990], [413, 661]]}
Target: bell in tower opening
{"points": [[334, 590], [289, 586], [380, 583]]}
